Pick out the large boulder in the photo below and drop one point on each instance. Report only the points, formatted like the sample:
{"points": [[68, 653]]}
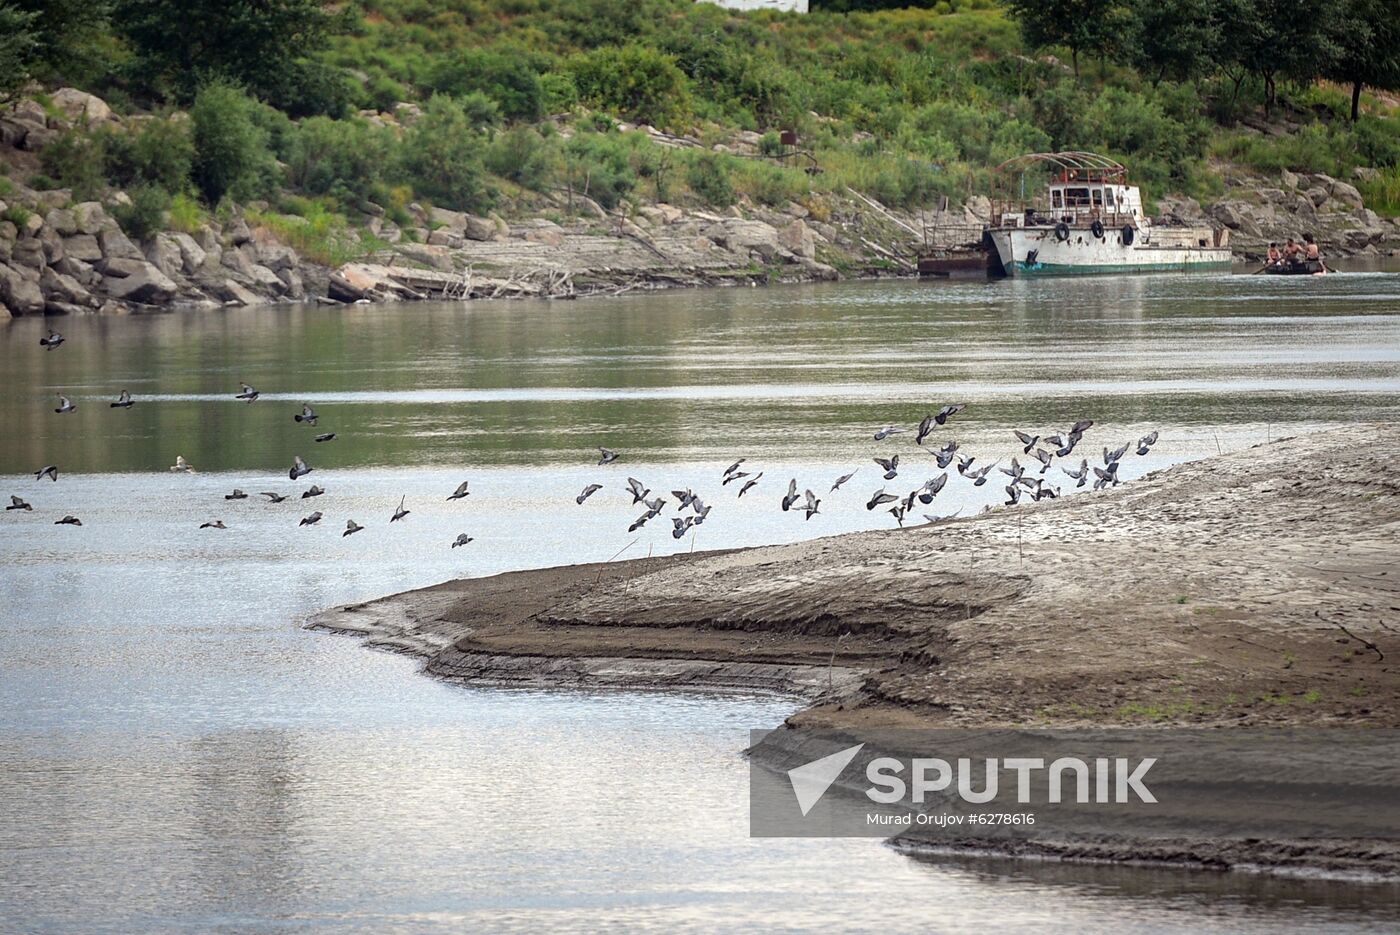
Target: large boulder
{"points": [[481, 229], [82, 247], [164, 253], [234, 294], [90, 218], [28, 253], [62, 221], [267, 279], [147, 286], [58, 287], [741, 236], [431, 255], [276, 256], [797, 239], [192, 255], [454, 221], [444, 237], [1346, 193], [79, 106], [1236, 215], [239, 262], [238, 232], [293, 287], [18, 293], [116, 245]]}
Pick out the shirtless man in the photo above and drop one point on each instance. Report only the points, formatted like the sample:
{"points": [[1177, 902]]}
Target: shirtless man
{"points": [[1274, 255]]}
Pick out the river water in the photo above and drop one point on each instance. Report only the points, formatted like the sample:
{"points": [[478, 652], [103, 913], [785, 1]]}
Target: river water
{"points": [[177, 754]]}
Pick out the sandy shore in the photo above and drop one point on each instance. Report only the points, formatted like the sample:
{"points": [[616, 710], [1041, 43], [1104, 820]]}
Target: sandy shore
{"points": [[1260, 588]]}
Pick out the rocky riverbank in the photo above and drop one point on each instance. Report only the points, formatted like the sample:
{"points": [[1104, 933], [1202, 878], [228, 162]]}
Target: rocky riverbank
{"points": [[63, 256]]}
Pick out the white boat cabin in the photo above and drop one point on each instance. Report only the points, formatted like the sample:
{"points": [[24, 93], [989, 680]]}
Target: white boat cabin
{"points": [[1083, 188]]}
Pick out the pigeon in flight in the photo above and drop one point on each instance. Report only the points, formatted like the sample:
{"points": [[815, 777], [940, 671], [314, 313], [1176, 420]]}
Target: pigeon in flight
{"points": [[608, 457], [272, 497], [51, 342], [638, 489], [50, 471], [925, 427], [65, 404], [812, 504], [1146, 442], [640, 521], [1044, 491], [886, 432], [898, 513], [460, 492], [734, 476], [748, 484], [946, 454], [1043, 457], [181, 466], [842, 479], [588, 491], [931, 489], [701, 511], [248, 393], [1081, 475], [1109, 457], [1027, 440], [17, 504], [679, 526], [890, 465], [299, 468], [351, 527], [880, 497], [1013, 493], [312, 491], [401, 512], [1015, 471], [964, 463], [236, 495], [307, 414], [734, 467], [311, 520], [214, 524], [461, 540], [684, 497], [935, 519], [791, 496], [69, 520], [979, 477], [326, 437], [124, 401], [947, 411], [655, 505]]}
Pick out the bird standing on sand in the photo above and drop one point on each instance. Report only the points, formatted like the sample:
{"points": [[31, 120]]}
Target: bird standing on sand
{"points": [[401, 512], [311, 520], [351, 527], [69, 520], [298, 469], [17, 504], [216, 524], [124, 401], [50, 471], [461, 540], [588, 491], [307, 414], [608, 457], [312, 491], [52, 341], [65, 404], [748, 484], [248, 393]]}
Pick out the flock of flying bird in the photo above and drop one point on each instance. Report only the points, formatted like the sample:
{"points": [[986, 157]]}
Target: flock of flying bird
{"points": [[1043, 449]]}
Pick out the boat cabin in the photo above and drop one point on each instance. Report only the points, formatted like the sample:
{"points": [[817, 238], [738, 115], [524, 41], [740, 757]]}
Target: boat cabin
{"points": [[1082, 188]]}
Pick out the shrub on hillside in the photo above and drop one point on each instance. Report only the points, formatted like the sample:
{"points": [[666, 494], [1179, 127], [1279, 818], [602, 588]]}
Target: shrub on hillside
{"points": [[145, 215], [339, 157], [637, 83], [76, 160], [708, 178], [441, 157], [231, 154], [599, 165], [507, 77], [157, 152], [525, 157]]}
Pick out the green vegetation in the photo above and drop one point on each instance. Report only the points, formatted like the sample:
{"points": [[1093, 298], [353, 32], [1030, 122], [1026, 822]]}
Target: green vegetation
{"points": [[521, 98]]}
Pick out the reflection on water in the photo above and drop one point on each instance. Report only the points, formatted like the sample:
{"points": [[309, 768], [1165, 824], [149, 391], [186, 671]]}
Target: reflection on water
{"points": [[176, 755]]}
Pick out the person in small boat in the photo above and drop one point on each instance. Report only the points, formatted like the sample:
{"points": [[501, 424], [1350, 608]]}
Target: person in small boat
{"points": [[1310, 249], [1274, 255], [1291, 252]]}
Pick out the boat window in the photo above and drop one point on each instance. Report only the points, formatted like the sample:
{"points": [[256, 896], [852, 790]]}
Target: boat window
{"points": [[1055, 201], [1098, 197], [1108, 197], [1077, 197]]}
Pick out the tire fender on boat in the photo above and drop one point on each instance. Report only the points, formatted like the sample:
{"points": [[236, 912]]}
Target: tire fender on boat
{"points": [[1062, 231], [1128, 235], [1096, 228]]}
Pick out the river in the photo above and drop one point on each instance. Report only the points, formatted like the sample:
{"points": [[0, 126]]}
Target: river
{"points": [[177, 754]]}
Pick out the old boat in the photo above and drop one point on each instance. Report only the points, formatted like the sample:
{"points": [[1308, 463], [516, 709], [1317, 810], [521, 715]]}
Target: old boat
{"points": [[1089, 221]]}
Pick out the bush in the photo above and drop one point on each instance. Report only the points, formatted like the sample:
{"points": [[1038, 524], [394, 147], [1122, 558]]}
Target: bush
{"points": [[525, 157], [184, 214], [308, 88], [158, 152], [558, 95], [76, 160], [637, 83], [441, 156], [231, 155], [599, 165], [506, 77], [145, 215], [342, 158], [708, 178]]}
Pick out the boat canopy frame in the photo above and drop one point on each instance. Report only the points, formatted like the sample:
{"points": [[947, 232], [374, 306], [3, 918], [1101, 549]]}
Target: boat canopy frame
{"points": [[1068, 167]]}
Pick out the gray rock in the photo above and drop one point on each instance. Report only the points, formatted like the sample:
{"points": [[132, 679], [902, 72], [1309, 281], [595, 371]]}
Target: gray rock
{"points": [[276, 256], [8, 232], [148, 286], [1318, 196], [79, 270], [90, 218], [435, 257], [38, 138], [116, 245], [121, 267], [53, 245], [454, 221], [479, 229], [741, 236], [267, 279], [53, 198], [797, 239], [1289, 180], [234, 294], [58, 287], [63, 222], [164, 253], [21, 295], [238, 233], [31, 225], [443, 237], [238, 262], [192, 255], [1346, 193], [79, 106], [28, 252], [82, 247], [291, 280]]}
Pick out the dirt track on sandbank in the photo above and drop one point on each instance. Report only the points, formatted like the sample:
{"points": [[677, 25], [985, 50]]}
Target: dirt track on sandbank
{"points": [[1257, 588]]}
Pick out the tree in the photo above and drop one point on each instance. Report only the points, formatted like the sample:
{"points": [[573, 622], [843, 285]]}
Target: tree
{"points": [[1078, 25], [1273, 39], [1367, 36], [1175, 39], [66, 35], [442, 156], [231, 154], [182, 43], [18, 45]]}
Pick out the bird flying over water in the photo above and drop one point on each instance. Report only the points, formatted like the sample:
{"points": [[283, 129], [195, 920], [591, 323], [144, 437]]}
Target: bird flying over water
{"points": [[50, 471], [886, 432], [69, 520], [401, 512], [298, 469], [979, 477], [842, 479], [351, 527], [124, 401], [214, 524], [1146, 442], [791, 496], [679, 526], [898, 513], [272, 497], [812, 504], [1109, 457], [890, 466], [236, 495], [312, 491], [931, 488], [181, 466], [638, 489], [311, 520], [326, 437], [52, 341], [307, 414], [461, 540], [946, 454], [1081, 474], [1013, 493], [17, 504], [879, 497], [1027, 440], [608, 457], [460, 492], [734, 476], [1043, 457], [65, 404], [748, 484], [734, 467], [248, 393], [588, 491]]}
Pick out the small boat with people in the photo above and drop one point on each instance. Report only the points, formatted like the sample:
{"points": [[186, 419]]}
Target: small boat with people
{"points": [[1295, 259], [1088, 220]]}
